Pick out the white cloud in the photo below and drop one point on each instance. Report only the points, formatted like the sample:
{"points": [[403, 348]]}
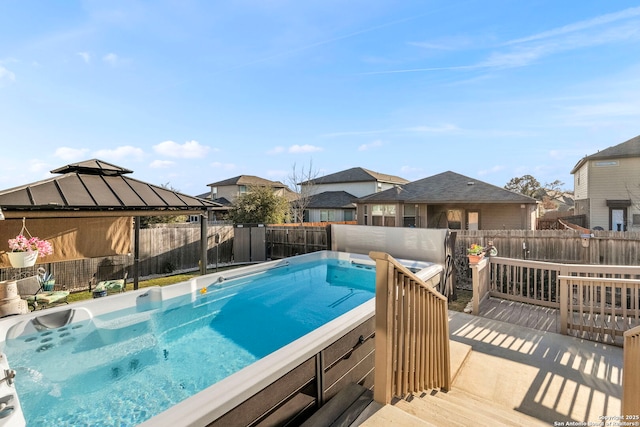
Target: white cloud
{"points": [[70, 154], [86, 56], [188, 150], [439, 129], [276, 150], [111, 59], [37, 166], [118, 153], [374, 144], [581, 25], [161, 164], [494, 169], [223, 166], [6, 74], [304, 148]]}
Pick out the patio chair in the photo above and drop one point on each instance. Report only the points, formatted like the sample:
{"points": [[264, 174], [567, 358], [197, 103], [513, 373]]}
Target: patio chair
{"points": [[108, 279], [31, 289]]}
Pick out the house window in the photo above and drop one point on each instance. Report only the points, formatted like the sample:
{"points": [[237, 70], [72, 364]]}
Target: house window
{"points": [[349, 215], [327, 215], [194, 218], [242, 189], [636, 220], [384, 215], [214, 192], [409, 216]]}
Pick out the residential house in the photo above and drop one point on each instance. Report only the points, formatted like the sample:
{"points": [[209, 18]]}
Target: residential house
{"points": [[448, 200], [356, 181], [331, 197], [330, 206], [607, 187], [227, 191]]}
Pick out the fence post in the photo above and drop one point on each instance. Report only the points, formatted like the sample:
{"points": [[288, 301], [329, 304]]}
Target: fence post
{"points": [[479, 286], [564, 303]]}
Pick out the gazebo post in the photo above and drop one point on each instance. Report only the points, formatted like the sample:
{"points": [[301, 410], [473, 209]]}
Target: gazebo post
{"points": [[203, 243], [136, 251]]}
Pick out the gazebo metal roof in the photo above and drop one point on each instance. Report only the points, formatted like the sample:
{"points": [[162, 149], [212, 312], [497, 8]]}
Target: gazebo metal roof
{"points": [[96, 188]]}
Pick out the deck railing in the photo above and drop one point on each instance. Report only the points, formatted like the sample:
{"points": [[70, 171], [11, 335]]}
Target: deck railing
{"points": [[631, 374], [412, 333], [599, 308], [596, 302]]}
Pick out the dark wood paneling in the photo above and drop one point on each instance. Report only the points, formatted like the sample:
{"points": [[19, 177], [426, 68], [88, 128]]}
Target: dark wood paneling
{"points": [[258, 407]]}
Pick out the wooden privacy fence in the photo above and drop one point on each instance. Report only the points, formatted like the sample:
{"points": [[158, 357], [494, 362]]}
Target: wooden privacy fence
{"points": [[163, 250], [631, 374], [412, 333], [566, 246], [286, 241]]}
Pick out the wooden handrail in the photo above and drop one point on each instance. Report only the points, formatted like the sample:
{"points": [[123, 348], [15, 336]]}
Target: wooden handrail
{"points": [[412, 333], [631, 372]]}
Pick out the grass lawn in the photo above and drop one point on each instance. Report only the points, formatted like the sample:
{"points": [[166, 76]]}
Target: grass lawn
{"points": [[158, 281], [464, 296]]}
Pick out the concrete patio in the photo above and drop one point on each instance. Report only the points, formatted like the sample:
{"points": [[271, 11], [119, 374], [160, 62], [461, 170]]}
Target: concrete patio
{"points": [[508, 374]]}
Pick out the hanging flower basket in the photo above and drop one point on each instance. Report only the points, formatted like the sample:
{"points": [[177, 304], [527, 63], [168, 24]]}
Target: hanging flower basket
{"points": [[25, 249], [22, 259]]}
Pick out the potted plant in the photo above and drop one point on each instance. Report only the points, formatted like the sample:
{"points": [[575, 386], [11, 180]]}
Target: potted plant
{"points": [[475, 253], [25, 250]]}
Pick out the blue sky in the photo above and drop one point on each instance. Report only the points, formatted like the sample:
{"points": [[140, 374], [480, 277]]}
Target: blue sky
{"points": [[188, 92]]}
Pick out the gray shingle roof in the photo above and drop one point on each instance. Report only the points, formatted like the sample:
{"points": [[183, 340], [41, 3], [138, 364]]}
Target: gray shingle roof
{"points": [[248, 180], [357, 175], [630, 148], [448, 187], [332, 200]]}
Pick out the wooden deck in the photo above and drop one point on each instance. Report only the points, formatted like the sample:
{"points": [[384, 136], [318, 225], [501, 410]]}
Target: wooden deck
{"points": [[520, 314]]}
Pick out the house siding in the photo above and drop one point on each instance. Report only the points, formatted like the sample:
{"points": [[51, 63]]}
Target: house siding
{"points": [[613, 181], [492, 216], [358, 189], [581, 182], [335, 215]]}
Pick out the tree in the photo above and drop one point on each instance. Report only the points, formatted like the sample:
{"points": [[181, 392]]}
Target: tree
{"points": [[527, 185], [302, 183], [259, 205]]}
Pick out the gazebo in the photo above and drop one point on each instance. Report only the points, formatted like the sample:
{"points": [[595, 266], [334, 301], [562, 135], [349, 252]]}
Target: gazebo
{"points": [[86, 211]]}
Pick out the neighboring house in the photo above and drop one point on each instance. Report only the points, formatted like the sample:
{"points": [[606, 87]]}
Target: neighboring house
{"points": [[448, 200], [227, 191], [330, 206], [331, 197], [607, 187], [357, 181]]}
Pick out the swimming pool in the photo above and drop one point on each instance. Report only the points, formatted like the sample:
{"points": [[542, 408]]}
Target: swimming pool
{"points": [[154, 350]]}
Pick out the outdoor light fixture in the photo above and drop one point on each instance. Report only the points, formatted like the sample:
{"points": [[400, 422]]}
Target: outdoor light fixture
{"points": [[1, 215]]}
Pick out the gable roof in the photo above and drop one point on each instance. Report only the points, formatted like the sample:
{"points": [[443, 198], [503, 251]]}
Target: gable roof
{"points": [[627, 149], [97, 186], [448, 187], [332, 200], [356, 174], [249, 180]]}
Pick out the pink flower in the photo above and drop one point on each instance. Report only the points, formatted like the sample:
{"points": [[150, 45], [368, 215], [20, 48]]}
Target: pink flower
{"points": [[22, 244]]}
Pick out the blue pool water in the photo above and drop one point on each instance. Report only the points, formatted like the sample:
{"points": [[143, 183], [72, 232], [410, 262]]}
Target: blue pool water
{"points": [[126, 367]]}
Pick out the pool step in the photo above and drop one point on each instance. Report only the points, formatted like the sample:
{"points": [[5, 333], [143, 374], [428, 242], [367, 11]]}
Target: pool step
{"points": [[354, 406], [458, 408]]}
